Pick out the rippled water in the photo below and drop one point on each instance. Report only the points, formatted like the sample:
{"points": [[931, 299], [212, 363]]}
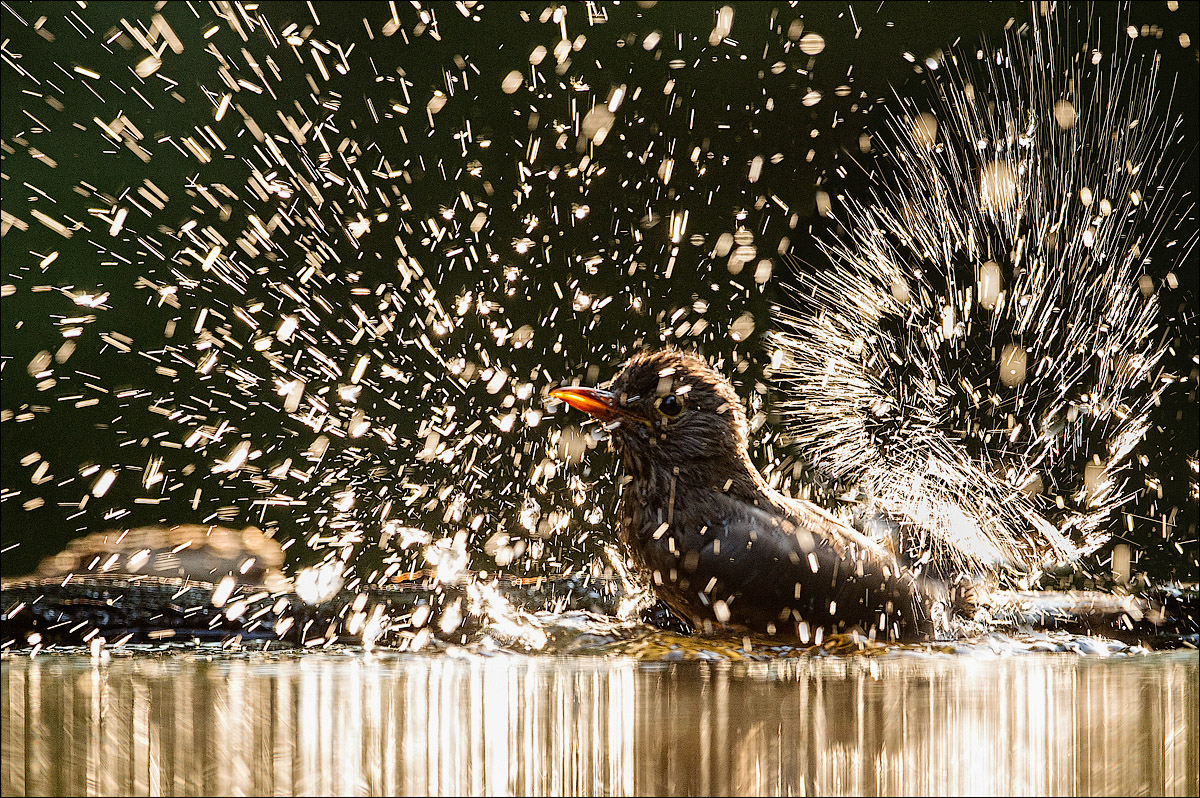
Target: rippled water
{"points": [[466, 723]]}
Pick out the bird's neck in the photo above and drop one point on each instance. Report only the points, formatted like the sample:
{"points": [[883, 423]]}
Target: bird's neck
{"points": [[653, 485]]}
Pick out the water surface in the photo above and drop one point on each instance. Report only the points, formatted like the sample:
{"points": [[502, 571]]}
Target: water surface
{"points": [[469, 723]]}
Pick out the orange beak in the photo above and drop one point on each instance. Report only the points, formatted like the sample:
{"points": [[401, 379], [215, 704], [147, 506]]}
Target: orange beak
{"points": [[593, 401]]}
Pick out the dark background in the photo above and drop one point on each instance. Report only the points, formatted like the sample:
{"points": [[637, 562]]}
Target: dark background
{"points": [[597, 277]]}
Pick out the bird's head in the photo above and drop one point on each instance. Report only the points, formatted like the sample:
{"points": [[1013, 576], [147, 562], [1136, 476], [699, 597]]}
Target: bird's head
{"points": [[667, 409]]}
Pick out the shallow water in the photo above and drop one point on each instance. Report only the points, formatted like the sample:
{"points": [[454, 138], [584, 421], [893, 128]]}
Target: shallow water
{"points": [[457, 722]]}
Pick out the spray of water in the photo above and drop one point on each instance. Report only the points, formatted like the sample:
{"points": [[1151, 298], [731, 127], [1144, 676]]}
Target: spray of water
{"points": [[982, 353], [278, 266], [282, 266]]}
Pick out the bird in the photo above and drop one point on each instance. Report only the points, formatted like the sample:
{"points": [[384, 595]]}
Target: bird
{"points": [[717, 544]]}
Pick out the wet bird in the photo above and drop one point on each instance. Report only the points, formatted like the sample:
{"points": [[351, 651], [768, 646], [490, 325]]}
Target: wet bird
{"points": [[719, 545]]}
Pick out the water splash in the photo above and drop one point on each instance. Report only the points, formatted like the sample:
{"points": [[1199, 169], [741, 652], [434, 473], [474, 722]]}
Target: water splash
{"points": [[983, 354], [319, 258], [270, 266]]}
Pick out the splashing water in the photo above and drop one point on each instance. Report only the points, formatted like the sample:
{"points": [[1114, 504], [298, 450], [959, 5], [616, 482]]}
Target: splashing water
{"points": [[271, 266], [983, 354], [314, 272]]}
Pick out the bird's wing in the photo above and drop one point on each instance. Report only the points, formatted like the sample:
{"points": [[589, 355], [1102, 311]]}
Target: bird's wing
{"points": [[768, 567], [833, 528]]}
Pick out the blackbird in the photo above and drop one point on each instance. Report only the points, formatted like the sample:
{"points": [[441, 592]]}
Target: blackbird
{"points": [[718, 544]]}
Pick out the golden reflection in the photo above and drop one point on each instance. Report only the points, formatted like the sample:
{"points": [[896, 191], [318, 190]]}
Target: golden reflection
{"points": [[375, 724]]}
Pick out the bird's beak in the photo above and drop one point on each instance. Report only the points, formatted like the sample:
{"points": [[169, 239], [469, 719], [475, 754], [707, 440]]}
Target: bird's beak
{"points": [[601, 404]]}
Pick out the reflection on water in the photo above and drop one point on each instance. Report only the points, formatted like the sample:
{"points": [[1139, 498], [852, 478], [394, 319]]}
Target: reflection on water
{"points": [[349, 723]]}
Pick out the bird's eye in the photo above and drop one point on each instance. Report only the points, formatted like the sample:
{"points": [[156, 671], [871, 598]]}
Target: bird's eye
{"points": [[670, 405]]}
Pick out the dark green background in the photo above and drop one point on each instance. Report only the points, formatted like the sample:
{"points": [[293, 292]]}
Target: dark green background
{"points": [[728, 101]]}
